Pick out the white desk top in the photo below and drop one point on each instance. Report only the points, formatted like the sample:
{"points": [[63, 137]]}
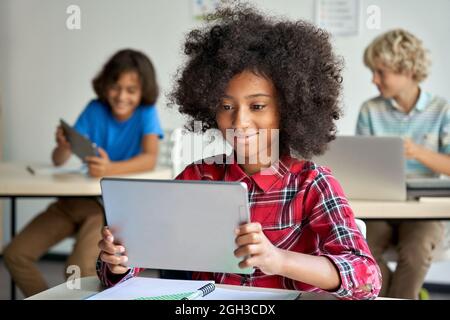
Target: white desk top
{"points": [[91, 285], [425, 208], [16, 180]]}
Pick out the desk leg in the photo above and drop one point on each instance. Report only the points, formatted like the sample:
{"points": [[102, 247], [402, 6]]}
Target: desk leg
{"points": [[13, 234]]}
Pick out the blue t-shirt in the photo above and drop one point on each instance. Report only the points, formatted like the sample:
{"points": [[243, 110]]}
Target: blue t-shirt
{"points": [[122, 140]]}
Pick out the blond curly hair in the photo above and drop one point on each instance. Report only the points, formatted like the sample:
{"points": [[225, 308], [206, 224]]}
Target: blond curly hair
{"points": [[400, 51]]}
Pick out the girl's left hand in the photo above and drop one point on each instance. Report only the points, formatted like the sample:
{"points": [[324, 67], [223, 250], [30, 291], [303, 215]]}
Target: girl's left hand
{"points": [[99, 166], [258, 250]]}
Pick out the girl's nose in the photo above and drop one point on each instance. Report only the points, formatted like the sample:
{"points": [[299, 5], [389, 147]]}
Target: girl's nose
{"points": [[241, 119]]}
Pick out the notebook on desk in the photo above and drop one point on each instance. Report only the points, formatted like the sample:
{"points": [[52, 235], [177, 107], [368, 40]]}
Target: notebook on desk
{"points": [[140, 288]]}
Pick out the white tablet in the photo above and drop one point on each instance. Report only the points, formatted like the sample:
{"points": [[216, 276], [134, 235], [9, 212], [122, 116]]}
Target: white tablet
{"points": [[177, 225]]}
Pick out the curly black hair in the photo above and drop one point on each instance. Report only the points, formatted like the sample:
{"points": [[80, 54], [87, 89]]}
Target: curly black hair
{"points": [[295, 55]]}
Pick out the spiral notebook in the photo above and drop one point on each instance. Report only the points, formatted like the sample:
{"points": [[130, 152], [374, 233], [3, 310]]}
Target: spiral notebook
{"points": [[189, 295], [140, 288]]}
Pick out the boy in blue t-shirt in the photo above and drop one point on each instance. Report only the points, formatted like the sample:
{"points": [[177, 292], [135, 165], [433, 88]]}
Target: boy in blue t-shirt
{"points": [[123, 123]]}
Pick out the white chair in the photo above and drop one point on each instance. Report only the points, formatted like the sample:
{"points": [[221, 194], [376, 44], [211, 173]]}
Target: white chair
{"points": [[362, 227], [180, 147], [165, 149]]}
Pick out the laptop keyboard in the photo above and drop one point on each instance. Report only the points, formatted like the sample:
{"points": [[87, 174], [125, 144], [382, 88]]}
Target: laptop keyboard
{"points": [[428, 183]]}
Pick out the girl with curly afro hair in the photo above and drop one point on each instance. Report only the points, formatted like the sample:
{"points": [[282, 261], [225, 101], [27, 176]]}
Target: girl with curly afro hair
{"points": [[261, 78]]}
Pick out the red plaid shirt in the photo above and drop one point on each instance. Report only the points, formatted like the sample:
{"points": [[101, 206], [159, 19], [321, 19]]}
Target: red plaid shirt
{"points": [[301, 208]]}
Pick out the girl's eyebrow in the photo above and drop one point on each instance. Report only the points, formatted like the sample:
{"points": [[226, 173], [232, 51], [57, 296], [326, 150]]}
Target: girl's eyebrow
{"points": [[256, 95]]}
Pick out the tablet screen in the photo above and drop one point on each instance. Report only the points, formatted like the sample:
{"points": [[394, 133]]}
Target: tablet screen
{"points": [[177, 225]]}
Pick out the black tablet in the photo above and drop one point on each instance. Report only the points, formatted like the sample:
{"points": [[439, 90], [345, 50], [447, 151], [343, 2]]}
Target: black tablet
{"points": [[81, 146]]}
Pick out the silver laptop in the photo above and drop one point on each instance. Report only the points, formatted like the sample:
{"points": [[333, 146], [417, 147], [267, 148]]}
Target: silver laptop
{"points": [[373, 168], [368, 168], [177, 225]]}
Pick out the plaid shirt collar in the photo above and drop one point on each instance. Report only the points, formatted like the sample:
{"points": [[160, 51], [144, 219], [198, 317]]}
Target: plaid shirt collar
{"points": [[266, 179]]}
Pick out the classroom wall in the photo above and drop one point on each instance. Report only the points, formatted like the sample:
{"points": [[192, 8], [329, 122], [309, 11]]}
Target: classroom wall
{"points": [[46, 69]]}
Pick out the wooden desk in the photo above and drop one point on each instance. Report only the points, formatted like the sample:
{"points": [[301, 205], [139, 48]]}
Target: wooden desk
{"points": [[17, 182], [423, 209]]}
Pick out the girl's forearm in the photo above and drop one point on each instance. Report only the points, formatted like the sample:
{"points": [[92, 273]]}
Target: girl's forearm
{"points": [[317, 271]]}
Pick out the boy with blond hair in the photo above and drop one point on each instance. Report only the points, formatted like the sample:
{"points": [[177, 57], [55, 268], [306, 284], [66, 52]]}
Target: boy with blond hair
{"points": [[399, 63]]}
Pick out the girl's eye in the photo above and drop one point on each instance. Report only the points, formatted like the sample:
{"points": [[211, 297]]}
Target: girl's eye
{"points": [[227, 107], [258, 106]]}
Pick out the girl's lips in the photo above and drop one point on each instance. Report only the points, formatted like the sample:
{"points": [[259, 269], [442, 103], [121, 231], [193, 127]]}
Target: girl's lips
{"points": [[245, 138], [246, 135]]}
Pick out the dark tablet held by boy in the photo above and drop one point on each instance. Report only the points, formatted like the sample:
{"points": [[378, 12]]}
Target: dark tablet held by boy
{"points": [[81, 146]]}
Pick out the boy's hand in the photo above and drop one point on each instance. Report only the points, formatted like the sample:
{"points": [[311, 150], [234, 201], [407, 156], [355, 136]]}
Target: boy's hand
{"points": [[260, 252], [412, 150], [112, 254], [61, 140], [99, 166]]}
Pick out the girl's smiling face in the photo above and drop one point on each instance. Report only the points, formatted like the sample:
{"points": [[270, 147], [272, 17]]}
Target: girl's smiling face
{"points": [[249, 111], [125, 95]]}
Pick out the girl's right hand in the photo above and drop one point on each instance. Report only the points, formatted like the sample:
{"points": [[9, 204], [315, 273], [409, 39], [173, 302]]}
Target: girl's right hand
{"points": [[61, 139], [112, 254]]}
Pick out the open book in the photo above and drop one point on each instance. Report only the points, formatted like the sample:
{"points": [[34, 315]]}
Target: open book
{"points": [[140, 288]]}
